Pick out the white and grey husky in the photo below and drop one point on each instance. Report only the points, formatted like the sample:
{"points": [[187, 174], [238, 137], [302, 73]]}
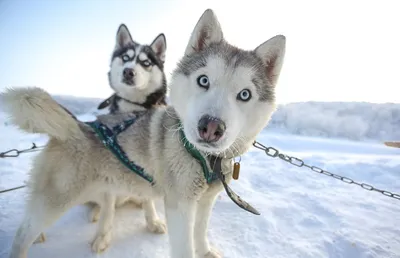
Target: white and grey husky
{"points": [[221, 97]]}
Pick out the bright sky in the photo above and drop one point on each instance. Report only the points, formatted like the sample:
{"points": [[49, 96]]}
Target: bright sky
{"points": [[336, 51]]}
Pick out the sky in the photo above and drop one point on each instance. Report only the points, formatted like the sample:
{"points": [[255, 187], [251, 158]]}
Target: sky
{"points": [[336, 50]]}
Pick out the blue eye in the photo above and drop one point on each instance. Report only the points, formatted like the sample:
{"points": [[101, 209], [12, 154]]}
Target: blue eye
{"points": [[203, 81], [244, 95], [125, 58]]}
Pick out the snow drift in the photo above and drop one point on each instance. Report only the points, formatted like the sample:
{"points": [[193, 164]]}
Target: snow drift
{"points": [[348, 120], [351, 120]]}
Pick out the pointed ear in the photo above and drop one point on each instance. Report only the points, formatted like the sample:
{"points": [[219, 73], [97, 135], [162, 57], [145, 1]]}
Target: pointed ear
{"points": [[123, 37], [272, 53], [159, 46], [207, 31]]}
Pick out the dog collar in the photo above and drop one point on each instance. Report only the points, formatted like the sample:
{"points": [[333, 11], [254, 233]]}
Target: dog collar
{"points": [[211, 176], [157, 97]]}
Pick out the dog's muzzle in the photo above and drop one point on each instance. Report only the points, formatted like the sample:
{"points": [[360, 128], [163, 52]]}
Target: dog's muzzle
{"points": [[129, 74], [211, 129]]}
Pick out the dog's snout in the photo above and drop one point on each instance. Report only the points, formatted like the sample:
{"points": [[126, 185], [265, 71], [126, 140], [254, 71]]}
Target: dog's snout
{"points": [[210, 128], [129, 73]]}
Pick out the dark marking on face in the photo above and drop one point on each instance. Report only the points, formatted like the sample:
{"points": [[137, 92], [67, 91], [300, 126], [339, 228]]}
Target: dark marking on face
{"points": [[151, 55], [119, 52], [142, 55]]}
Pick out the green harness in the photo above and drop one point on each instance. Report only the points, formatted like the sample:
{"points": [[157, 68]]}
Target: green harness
{"points": [[109, 139]]}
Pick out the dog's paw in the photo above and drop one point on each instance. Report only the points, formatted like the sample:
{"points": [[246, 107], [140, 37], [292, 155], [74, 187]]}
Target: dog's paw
{"points": [[94, 214], [157, 226], [213, 254], [40, 239], [101, 243]]}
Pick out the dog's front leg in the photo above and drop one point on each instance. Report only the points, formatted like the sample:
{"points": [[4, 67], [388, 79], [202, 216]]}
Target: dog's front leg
{"points": [[203, 214], [154, 224], [180, 222], [105, 229]]}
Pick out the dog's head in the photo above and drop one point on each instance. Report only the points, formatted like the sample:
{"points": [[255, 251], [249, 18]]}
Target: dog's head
{"points": [[224, 95], [137, 70]]}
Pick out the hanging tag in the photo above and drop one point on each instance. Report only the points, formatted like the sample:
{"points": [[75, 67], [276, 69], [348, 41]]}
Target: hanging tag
{"points": [[236, 170]]}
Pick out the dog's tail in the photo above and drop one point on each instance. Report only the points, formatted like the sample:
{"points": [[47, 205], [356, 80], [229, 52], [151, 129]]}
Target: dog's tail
{"points": [[33, 110]]}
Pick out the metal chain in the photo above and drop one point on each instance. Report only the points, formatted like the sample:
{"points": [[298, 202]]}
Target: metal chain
{"points": [[12, 189], [15, 153], [274, 153]]}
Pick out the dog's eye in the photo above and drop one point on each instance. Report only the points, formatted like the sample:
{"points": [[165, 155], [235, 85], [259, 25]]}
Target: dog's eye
{"points": [[125, 58], [203, 81], [244, 95], [146, 63]]}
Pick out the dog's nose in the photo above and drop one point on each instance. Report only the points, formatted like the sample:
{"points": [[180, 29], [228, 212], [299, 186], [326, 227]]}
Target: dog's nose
{"points": [[129, 73], [210, 128]]}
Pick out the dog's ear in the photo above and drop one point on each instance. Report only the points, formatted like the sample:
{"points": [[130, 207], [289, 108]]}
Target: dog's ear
{"points": [[123, 37], [272, 53], [159, 46], [207, 31]]}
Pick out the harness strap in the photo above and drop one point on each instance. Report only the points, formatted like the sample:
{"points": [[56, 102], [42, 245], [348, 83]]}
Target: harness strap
{"points": [[216, 173], [208, 175], [109, 139]]}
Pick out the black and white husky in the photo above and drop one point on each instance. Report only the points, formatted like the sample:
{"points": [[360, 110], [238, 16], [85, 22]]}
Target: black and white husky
{"points": [[136, 74], [137, 77]]}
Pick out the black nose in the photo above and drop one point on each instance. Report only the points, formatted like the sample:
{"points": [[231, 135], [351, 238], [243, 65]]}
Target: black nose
{"points": [[210, 128], [129, 73]]}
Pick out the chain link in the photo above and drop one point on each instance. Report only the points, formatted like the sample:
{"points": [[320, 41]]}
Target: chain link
{"points": [[13, 153], [269, 151], [274, 153]]}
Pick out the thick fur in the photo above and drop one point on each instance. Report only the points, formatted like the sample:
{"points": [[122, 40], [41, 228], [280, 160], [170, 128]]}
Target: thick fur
{"points": [[78, 169], [25, 105]]}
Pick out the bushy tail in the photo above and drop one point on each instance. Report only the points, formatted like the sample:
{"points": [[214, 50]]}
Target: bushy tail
{"points": [[33, 110]]}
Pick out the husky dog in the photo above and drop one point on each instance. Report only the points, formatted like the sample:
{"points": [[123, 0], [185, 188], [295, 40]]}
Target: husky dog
{"points": [[136, 74], [221, 98], [137, 77]]}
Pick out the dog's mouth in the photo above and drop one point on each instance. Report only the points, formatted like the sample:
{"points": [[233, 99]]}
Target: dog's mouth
{"points": [[206, 144], [128, 82], [210, 147]]}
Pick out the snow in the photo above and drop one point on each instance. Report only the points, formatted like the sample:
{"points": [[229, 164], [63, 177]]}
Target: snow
{"points": [[350, 120], [303, 214]]}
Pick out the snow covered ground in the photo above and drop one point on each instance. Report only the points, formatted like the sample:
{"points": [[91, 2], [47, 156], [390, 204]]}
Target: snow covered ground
{"points": [[303, 214]]}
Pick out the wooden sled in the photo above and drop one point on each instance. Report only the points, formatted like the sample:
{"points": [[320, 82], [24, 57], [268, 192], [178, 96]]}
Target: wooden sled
{"points": [[393, 144]]}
